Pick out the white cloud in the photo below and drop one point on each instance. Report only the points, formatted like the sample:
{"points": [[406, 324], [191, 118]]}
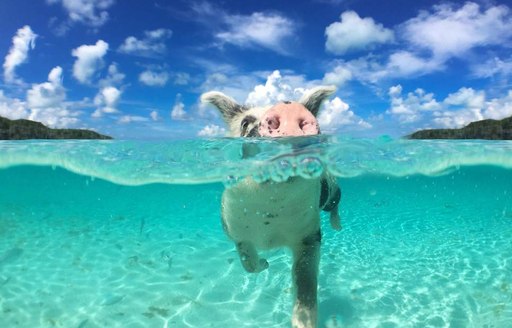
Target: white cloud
{"points": [[153, 43], [338, 76], [337, 113], [126, 119], [212, 130], [151, 78], [499, 108], [370, 69], [427, 42], [354, 33], [12, 108], [492, 67], [410, 108], [178, 110], [181, 78], [259, 29], [106, 101], [466, 97], [89, 60], [46, 102], [449, 32], [89, 12], [275, 89], [114, 76], [457, 110], [406, 64], [154, 115], [22, 42]]}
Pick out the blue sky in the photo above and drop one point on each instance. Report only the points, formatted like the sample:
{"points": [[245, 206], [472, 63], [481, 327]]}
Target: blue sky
{"points": [[136, 68]]}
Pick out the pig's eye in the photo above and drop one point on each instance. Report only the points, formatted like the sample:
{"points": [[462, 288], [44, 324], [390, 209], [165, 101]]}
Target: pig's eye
{"points": [[244, 125]]}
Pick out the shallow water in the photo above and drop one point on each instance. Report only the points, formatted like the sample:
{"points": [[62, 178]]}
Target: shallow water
{"points": [[128, 234]]}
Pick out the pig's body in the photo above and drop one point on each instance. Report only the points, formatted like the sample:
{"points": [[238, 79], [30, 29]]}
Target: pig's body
{"points": [[273, 219], [280, 214]]}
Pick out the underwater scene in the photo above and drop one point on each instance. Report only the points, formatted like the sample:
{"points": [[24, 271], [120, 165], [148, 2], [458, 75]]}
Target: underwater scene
{"points": [[128, 233]]}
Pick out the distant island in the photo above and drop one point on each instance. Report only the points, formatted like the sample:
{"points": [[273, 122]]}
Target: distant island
{"points": [[485, 129], [27, 129]]}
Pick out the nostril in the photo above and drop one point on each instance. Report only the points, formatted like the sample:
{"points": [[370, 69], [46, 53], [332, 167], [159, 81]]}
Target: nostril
{"points": [[273, 123]]}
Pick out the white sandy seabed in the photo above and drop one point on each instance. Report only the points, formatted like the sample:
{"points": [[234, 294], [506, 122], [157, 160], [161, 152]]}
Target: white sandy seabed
{"points": [[415, 252]]}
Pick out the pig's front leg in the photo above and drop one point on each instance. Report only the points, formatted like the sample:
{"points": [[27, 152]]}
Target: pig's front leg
{"points": [[306, 258], [330, 199], [249, 257], [335, 219]]}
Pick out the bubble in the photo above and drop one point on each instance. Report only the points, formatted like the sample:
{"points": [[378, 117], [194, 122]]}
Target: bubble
{"points": [[310, 167], [262, 175], [282, 170], [231, 180]]}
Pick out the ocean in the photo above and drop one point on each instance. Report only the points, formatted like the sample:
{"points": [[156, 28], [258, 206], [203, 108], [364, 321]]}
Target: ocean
{"points": [[128, 233]]}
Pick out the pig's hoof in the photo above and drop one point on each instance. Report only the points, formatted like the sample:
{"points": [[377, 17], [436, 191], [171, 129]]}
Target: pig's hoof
{"points": [[335, 221]]}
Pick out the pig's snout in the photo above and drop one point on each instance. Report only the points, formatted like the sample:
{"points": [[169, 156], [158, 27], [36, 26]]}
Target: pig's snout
{"points": [[287, 120]]}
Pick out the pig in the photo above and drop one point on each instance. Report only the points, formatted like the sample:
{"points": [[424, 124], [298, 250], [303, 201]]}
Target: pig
{"points": [[267, 215]]}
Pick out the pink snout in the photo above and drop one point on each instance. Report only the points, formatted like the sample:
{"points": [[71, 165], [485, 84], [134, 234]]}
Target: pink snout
{"points": [[287, 120]]}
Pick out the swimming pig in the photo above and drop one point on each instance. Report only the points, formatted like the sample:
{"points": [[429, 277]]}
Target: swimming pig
{"points": [[280, 214]]}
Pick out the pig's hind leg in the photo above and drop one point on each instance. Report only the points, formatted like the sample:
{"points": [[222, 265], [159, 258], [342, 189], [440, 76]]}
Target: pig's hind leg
{"points": [[250, 258], [306, 258]]}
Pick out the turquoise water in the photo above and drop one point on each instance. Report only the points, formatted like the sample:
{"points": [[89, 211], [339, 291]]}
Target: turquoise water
{"points": [[128, 234]]}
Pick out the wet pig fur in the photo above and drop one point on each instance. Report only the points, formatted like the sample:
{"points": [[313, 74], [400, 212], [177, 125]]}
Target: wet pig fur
{"points": [[261, 216]]}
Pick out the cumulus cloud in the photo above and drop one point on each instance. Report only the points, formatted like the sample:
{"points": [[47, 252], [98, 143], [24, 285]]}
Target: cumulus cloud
{"points": [[498, 108], [406, 64], [275, 89], [114, 76], [456, 110], [410, 108], [89, 59], [212, 130], [427, 42], [92, 13], [154, 79], [259, 29], [12, 108], [151, 45], [22, 42], [178, 110], [106, 101], [338, 76], [337, 113], [354, 33], [46, 102], [448, 32]]}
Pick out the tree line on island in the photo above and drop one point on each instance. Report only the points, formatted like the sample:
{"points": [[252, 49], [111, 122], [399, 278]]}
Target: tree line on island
{"points": [[485, 129], [27, 129]]}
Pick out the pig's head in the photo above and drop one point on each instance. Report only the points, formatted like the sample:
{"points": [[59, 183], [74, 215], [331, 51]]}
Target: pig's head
{"points": [[284, 119]]}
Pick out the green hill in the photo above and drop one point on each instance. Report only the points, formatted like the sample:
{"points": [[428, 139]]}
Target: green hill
{"points": [[485, 129], [27, 129]]}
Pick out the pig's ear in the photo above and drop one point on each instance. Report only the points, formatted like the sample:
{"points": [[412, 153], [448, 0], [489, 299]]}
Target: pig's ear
{"points": [[227, 106], [313, 99]]}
